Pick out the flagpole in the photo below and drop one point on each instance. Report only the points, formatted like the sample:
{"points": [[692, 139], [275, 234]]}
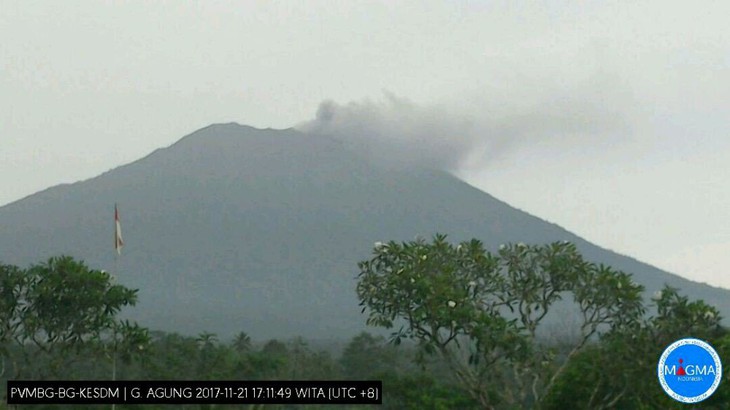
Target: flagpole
{"points": [[114, 350], [114, 354], [117, 253]]}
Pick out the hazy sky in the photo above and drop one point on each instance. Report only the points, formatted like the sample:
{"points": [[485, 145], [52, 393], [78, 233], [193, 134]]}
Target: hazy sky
{"points": [[611, 119]]}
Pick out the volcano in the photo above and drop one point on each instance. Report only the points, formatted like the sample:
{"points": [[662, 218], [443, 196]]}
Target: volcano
{"points": [[234, 229]]}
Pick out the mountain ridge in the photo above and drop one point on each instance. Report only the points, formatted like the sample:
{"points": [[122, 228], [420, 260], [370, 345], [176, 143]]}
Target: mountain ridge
{"points": [[229, 229]]}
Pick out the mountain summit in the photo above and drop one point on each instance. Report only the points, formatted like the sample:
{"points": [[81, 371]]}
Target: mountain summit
{"points": [[235, 228]]}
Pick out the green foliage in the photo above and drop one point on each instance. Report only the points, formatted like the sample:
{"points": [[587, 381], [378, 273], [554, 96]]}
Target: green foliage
{"points": [[475, 318], [61, 307], [677, 317], [367, 357], [481, 311], [416, 391], [721, 398], [171, 356], [620, 370], [13, 286], [242, 343], [68, 302]]}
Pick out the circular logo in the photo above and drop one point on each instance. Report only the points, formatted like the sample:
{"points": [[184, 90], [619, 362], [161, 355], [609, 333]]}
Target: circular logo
{"points": [[689, 370]]}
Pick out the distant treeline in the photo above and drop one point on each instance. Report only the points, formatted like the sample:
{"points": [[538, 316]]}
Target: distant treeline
{"points": [[171, 356], [469, 321]]}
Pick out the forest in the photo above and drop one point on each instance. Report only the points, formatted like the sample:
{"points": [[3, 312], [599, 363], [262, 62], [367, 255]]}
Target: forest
{"points": [[454, 326]]}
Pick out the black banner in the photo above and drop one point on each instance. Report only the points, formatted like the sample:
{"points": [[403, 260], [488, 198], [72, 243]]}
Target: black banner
{"points": [[194, 392]]}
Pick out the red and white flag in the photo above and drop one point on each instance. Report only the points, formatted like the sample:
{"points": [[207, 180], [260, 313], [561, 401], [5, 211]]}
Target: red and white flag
{"points": [[118, 242]]}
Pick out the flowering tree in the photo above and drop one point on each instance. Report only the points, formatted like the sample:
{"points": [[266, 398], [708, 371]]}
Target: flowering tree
{"points": [[617, 373], [482, 311]]}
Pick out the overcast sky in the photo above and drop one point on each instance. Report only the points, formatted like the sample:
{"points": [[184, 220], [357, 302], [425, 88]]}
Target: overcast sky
{"points": [[612, 120]]}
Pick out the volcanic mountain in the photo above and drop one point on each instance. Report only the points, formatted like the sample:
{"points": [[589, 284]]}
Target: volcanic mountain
{"points": [[235, 228]]}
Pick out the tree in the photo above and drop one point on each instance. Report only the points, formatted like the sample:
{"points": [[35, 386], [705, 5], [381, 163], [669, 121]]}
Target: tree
{"points": [[172, 356], [721, 397], [125, 342], [215, 360], [242, 343], [13, 286], [481, 311], [368, 357], [272, 361], [62, 305], [613, 372], [415, 391], [207, 339]]}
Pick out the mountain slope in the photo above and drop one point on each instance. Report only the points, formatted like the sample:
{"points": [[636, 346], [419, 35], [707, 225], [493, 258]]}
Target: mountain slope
{"points": [[234, 228]]}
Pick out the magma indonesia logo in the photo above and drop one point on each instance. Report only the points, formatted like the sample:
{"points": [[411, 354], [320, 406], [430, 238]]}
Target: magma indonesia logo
{"points": [[689, 370]]}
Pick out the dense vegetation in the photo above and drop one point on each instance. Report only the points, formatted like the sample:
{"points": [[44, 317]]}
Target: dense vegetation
{"points": [[468, 332], [482, 314]]}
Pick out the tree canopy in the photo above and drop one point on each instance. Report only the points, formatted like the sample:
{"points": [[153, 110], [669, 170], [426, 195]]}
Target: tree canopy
{"points": [[64, 305], [482, 311]]}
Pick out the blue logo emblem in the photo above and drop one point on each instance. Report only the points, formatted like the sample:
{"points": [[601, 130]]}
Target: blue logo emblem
{"points": [[689, 370]]}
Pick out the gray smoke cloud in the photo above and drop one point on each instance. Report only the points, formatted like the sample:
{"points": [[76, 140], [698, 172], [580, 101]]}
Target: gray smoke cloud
{"points": [[403, 133], [397, 131]]}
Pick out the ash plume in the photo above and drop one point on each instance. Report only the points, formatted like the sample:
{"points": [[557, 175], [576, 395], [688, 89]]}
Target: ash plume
{"points": [[402, 133], [397, 131]]}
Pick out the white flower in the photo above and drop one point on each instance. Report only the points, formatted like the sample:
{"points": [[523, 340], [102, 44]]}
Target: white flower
{"points": [[521, 245], [378, 245], [657, 295], [451, 304], [709, 315], [472, 283], [458, 248], [502, 247]]}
